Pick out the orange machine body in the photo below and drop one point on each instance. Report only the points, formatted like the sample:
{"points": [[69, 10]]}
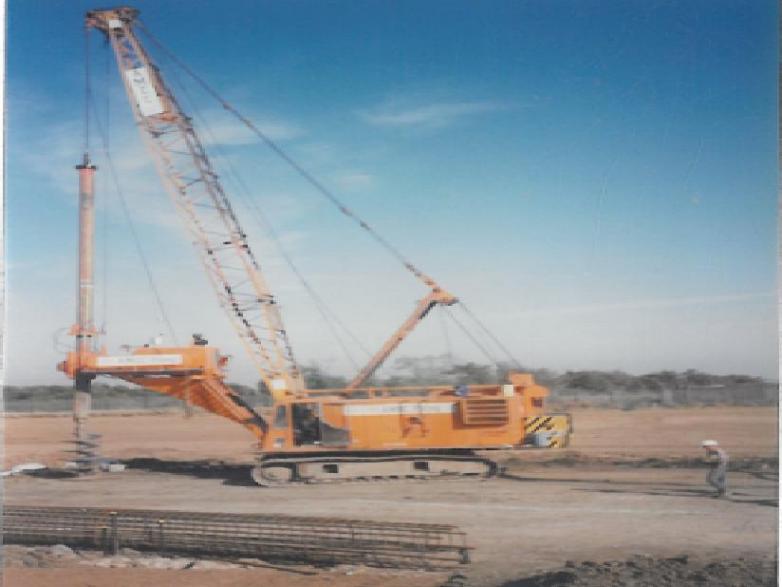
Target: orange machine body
{"points": [[408, 418], [368, 419]]}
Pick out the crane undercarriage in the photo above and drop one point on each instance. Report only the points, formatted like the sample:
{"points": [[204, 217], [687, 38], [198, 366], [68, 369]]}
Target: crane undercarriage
{"points": [[280, 470]]}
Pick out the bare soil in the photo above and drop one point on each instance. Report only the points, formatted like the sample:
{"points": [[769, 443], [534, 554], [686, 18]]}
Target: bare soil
{"points": [[644, 571], [645, 433], [631, 484], [34, 566]]}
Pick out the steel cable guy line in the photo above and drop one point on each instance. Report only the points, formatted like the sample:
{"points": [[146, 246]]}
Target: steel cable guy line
{"points": [[328, 315], [133, 232], [471, 337], [323, 190], [87, 91], [323, 309], [444, 326], [104, 228], [90, 104], [490, 335]]}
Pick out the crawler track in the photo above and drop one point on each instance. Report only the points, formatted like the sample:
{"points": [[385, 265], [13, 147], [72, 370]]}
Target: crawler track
{"points": [[279, 471]]}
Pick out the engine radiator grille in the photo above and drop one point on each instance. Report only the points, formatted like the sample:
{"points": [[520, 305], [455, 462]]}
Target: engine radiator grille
{"points": [[484, 411]]}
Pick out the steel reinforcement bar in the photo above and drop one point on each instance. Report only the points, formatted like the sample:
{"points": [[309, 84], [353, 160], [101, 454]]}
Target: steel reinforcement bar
{"points": [[275, 538]]}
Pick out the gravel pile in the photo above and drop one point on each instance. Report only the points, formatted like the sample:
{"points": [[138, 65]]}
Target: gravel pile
{"points": [[644, 571], [59, 555]]}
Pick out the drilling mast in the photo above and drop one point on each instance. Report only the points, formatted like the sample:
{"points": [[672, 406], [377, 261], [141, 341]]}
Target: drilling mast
{"points": [[84, 329]]}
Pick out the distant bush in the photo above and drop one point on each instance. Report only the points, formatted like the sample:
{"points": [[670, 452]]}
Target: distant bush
{"points": [[406, 371]]}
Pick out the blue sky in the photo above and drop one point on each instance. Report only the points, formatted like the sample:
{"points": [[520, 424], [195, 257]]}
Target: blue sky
{"points": [[596, 180]]}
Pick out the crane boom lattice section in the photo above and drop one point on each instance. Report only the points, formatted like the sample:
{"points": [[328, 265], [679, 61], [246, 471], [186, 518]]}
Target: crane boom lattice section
{"points": [[194, 186]]}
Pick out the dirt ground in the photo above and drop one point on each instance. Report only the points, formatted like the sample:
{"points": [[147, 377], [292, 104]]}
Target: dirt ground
{"points": [[646, 433], [644, 571], [631, 484]]}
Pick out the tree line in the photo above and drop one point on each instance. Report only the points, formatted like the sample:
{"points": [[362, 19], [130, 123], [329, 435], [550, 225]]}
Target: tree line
{"points": [[414, 371], [437, 370]]}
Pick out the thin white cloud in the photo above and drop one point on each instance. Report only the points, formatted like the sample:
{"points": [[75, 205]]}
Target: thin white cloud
{"points": [[141, 187], [144, 192], [651, 304], [231, 132], [432, 115], [354, 181]]}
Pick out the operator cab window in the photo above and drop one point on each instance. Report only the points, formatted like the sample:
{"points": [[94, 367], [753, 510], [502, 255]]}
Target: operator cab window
{"points": [[306, 424], [281, 417]]}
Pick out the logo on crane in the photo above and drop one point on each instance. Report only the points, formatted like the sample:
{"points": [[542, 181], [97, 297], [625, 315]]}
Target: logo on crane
{"points": [[147, 99]]}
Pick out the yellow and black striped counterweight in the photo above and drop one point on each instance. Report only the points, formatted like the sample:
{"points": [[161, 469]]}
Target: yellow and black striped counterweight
{"points": [[550, 431]]}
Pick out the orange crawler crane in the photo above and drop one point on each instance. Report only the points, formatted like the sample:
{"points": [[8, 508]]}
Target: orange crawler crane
{"points": [[307, 435]]}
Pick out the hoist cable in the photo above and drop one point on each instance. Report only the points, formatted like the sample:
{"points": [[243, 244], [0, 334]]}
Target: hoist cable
{"points": [[326, 312], [488, 333], [105, 223], [307, 176], [314, 182], [133, 232], [87, 92], [323, 309], [471, 337], [107, 85], [444, 326]]}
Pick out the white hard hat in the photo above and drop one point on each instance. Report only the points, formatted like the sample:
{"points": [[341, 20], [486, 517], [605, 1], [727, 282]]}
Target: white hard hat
{"points": [[708, 443]]}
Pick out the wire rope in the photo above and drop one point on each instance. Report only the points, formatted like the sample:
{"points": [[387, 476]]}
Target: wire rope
{"points": [[87, 91], [323, 190], [472, 338], [448, 347], [328, 315], [105, 223], [306, 175], [488, 333], [134, 232]]}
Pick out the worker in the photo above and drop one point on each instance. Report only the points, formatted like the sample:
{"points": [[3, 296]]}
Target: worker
{"points": [[718, 459], [461, 391]]}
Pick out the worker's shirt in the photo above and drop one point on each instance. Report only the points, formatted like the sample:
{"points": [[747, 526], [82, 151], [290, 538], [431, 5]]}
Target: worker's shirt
{"points": [[718, 459]]}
